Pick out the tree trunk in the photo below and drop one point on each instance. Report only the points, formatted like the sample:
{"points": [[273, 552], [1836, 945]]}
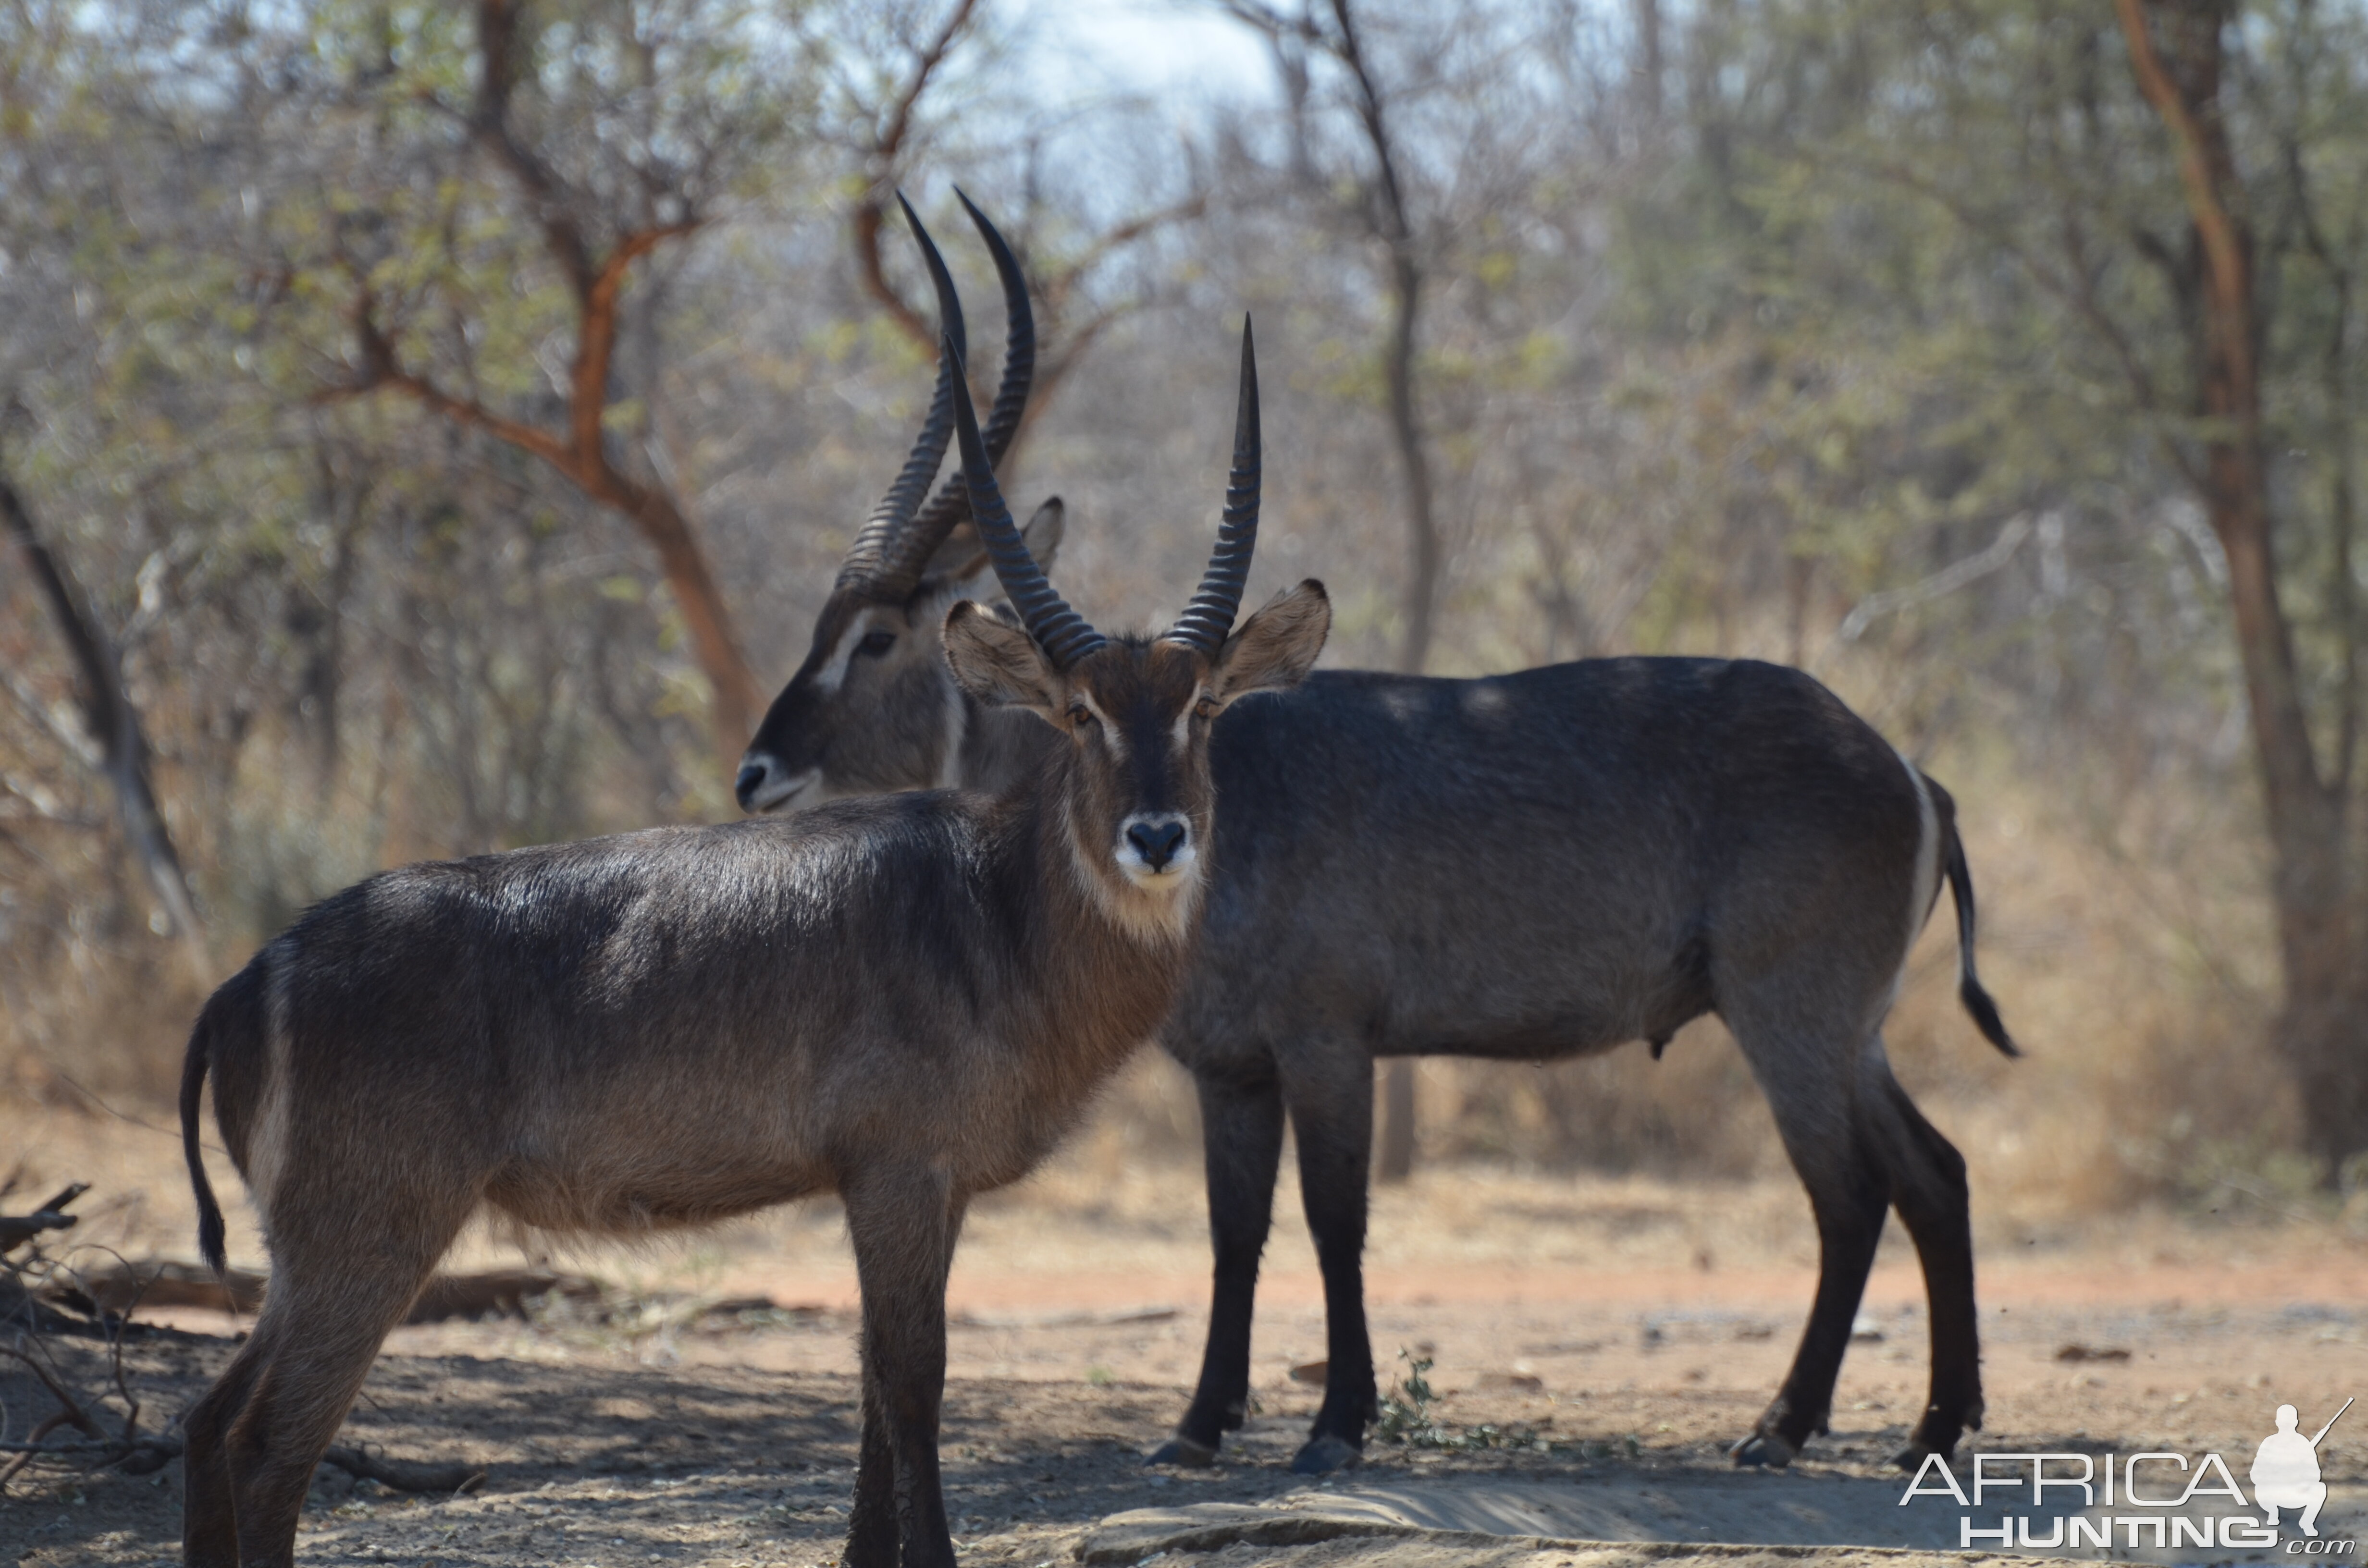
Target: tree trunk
{"points": [[2318, 1031], [1648, 66], [1406, 427], [704, 615], [1384, 207], [2317, 1028], [114, 727]]}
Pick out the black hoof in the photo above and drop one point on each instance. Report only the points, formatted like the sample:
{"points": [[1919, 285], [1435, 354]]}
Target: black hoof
{"points": [[1911, 1457], [1184, 1453], [1762, 1449], [1322, 1456], [1933, 1436]]}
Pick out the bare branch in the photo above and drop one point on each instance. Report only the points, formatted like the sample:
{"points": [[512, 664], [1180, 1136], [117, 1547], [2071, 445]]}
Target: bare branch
{"points": [[382, 368], [489, 123], [70, 1408], [1055, 288], [71, 739], [578, 453], [1056, 291], [1384, 202], [114, 724], [15, 1230], [2076, 293], [597, 339], [870, 210], [2231, 278]]}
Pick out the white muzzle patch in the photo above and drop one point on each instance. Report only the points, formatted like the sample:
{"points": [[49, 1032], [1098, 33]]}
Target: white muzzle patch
{"points": [[777, 790], [1156, 849]]}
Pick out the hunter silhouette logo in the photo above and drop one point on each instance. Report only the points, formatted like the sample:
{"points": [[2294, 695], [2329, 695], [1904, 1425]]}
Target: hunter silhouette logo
{"points": [[2160, 1489], [2285, 1470]]}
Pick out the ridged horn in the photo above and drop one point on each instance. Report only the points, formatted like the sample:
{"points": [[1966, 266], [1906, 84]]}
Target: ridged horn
{"points": [[950, 506], [1064, 634], [878, 563], [1209, 618]]}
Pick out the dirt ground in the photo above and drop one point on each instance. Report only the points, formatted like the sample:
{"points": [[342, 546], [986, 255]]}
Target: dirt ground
{"points": [[1628, 1329]]}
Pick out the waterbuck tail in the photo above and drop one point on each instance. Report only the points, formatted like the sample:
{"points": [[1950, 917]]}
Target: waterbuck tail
{"points": [[1977, 1001], [211, 1243]]}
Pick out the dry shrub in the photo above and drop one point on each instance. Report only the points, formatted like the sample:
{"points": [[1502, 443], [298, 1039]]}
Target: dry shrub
{"points": [[111, 1026], [90, 992]]}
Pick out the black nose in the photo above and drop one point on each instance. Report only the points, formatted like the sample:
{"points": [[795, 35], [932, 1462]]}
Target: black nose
{"points": [[751, 778], [1156, 842]]}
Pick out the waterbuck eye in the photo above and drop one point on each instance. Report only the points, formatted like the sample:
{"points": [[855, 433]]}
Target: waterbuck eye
{"points": [[1206, 708], [1081, 716], [876, 642]]}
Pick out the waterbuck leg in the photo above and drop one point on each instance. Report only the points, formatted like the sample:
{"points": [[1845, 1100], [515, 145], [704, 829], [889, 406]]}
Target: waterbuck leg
{"points": [[1241, 1130], [1330, 1093], [872, 1519], [257, 1435], [1849, 1222], [1809, 1084], [209, 1517], [903, 1222], [1927, 1186]]}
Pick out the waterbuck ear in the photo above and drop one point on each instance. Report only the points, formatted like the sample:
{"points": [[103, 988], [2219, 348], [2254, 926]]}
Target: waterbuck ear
{"points": [[963, 571], [997, 663], [1275, 648]]}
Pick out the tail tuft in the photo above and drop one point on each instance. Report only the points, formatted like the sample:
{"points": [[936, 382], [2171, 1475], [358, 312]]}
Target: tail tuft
{"points": [[1985, 1014]]}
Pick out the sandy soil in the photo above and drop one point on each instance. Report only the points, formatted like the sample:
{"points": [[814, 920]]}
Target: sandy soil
{"points": [[1635, 1326]]}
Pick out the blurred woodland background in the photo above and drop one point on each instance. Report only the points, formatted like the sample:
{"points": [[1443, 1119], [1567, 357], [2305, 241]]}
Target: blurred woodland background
{"points": [[442, 421]]}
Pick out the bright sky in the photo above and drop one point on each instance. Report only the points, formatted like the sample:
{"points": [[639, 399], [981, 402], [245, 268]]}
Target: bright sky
{"points": [[1171, 49]]}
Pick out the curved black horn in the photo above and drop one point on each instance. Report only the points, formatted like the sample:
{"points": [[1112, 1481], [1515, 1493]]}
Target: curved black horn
{"points": [[1208, 617], [950, 505], [1064, 634], [877, 561]]}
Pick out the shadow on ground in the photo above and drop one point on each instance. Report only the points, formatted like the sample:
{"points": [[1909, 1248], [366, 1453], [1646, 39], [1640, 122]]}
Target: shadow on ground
{"points": [[722, 1459]]}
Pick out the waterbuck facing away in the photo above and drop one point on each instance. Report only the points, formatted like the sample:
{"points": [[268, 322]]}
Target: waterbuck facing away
{"points": [[904, 999], [1527, 867]]}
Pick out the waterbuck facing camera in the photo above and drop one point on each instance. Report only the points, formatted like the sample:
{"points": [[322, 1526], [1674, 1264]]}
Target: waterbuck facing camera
{"points": [[905, 1000]]}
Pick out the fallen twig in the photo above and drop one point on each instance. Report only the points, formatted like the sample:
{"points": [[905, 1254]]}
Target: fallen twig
{"points": [[114, 1291], [15, 1230], [406, 1475], [500, 1292], [144, 1456]]}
